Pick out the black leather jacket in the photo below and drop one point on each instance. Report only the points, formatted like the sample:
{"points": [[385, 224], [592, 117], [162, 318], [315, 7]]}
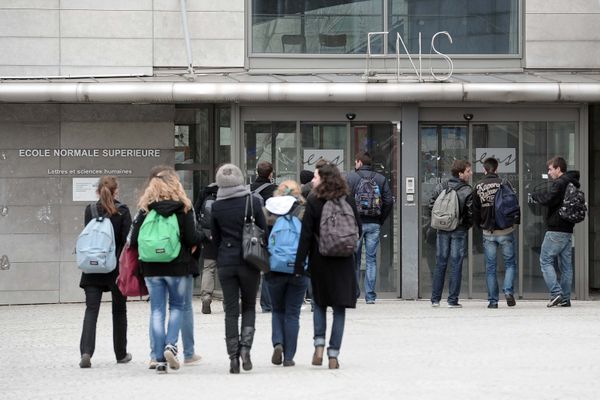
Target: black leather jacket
{"points": [[553, 198], [465, 200]]}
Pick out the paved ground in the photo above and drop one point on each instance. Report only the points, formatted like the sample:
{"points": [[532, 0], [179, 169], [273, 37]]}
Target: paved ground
{"points": [[391, 350]]}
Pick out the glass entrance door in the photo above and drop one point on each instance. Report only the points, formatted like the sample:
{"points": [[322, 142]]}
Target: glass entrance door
{"points": [[381, 141], [441, 144]]}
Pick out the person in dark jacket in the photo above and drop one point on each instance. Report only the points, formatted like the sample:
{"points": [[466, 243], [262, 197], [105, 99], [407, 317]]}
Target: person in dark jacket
{"points": [[237, 278], [95, 284], [484, 216], [286, 290], [263, 185], [558, 241], [371, 224], [451, 245], [333, 278], [167, 280], [209, 251]]}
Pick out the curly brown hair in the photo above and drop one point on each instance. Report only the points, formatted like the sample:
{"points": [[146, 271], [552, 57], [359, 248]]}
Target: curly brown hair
{"points": [[333, 185]]}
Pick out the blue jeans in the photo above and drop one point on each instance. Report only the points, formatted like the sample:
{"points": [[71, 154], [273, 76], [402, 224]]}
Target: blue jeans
{"points": [[287, 296], [557, 245], [187, 324], [159, 287], [337, 328], [448, 245], [490, 244], [371, 238]]}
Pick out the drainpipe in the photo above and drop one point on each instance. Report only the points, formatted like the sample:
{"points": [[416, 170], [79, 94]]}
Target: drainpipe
{"points": [[186, 33]]}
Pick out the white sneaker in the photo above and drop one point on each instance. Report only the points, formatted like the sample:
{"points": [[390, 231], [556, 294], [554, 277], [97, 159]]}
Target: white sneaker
{"points": [[194, 360], [171, 356]]}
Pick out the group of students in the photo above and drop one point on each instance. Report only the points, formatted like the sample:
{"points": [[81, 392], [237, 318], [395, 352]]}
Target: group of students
{"points": [[332, 278], [479, 206]]}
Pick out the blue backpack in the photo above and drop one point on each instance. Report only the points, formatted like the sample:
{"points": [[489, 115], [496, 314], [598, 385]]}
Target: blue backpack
{"points": [[95, 248], [283, 243], [506, 206]]}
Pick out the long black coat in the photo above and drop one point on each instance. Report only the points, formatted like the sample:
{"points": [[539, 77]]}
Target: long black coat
{"points": [[333, 278], [121, 222]]}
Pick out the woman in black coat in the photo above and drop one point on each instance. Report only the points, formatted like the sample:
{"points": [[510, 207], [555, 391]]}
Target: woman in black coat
{"points": [[237, 278], [95, 284], [333, 278]]}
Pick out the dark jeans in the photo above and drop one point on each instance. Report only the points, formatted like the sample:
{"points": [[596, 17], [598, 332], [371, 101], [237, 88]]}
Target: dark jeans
{"points": [[93, 296], [265, 297], [337, 328], [450, 248], [287, 296], [238, 282]]}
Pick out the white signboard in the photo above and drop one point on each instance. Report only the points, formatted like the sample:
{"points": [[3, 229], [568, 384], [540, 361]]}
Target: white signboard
{"points": [[84, 189], [506, 156], [334, 156]]}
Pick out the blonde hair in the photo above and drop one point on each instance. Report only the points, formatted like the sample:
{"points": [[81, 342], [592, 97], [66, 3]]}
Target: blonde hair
{"points": [[107, 186], [289, 188], [164, 185]]}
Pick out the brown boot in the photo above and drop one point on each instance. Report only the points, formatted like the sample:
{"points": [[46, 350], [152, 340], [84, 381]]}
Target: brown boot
{"points": [[318, 355], [333, 363]]}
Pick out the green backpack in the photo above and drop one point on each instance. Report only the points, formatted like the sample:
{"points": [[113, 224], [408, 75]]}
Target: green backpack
{"points": [[158, 240]]}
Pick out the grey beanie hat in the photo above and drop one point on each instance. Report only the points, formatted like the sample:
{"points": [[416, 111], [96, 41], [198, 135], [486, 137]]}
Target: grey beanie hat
{"points": [[229, 175]]}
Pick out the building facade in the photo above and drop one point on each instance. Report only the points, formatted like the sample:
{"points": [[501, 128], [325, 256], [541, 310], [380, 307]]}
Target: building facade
{"points": [[115, 88]]}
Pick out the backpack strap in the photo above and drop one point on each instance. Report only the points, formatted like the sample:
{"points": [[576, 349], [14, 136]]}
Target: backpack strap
{"points": [[94, 210], [261, 188]]}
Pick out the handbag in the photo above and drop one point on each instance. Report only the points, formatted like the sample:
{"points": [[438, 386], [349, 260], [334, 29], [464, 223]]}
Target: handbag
{"points": [[254, 249], [130, 282]]}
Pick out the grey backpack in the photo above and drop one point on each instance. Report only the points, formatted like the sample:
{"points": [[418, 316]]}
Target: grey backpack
{"points": [[445, 214], [338, 229]]}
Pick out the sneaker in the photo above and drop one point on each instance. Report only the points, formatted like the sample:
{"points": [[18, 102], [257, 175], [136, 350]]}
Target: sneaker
{"points": [[152, 364], [171, 356], [454, 305], [510, 299], [370, 301], [288, 363], [277, 354], [206, 306], [555, 301], [492, 305], [161, 368], [193, 360], [86, 361], [125, 359], [565, 303], [435, 304]]}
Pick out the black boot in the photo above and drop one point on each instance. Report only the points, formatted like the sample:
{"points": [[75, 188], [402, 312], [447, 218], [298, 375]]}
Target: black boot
{"points": [[233, 346], [246, 340]]}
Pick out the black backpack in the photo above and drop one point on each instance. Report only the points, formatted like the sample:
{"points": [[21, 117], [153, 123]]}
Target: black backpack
{"points": [[205, 214], [573, 208]]}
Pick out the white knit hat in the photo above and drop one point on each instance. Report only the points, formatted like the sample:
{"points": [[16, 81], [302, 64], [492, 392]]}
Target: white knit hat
{"points": [[229, 175], [280, 205]]}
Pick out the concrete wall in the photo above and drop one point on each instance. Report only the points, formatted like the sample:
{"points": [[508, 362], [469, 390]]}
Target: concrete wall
{"points": [[562, 34], [86, 37], [41, 221]]}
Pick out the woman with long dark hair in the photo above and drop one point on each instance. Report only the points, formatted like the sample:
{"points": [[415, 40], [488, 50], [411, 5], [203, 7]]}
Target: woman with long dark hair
{"points": [[96, 284], [333, 278]]}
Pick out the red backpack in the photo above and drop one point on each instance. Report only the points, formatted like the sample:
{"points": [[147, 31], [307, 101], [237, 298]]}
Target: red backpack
{"points": [[130, 281]]}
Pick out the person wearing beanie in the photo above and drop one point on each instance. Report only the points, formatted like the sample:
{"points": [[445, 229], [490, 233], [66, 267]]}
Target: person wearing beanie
{"points": [[306, 177], [238, 279]]}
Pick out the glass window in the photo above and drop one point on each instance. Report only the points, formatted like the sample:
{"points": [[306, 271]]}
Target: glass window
{"points": [[476, 26], [341, 26], [314, 26], [274, 142]]}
